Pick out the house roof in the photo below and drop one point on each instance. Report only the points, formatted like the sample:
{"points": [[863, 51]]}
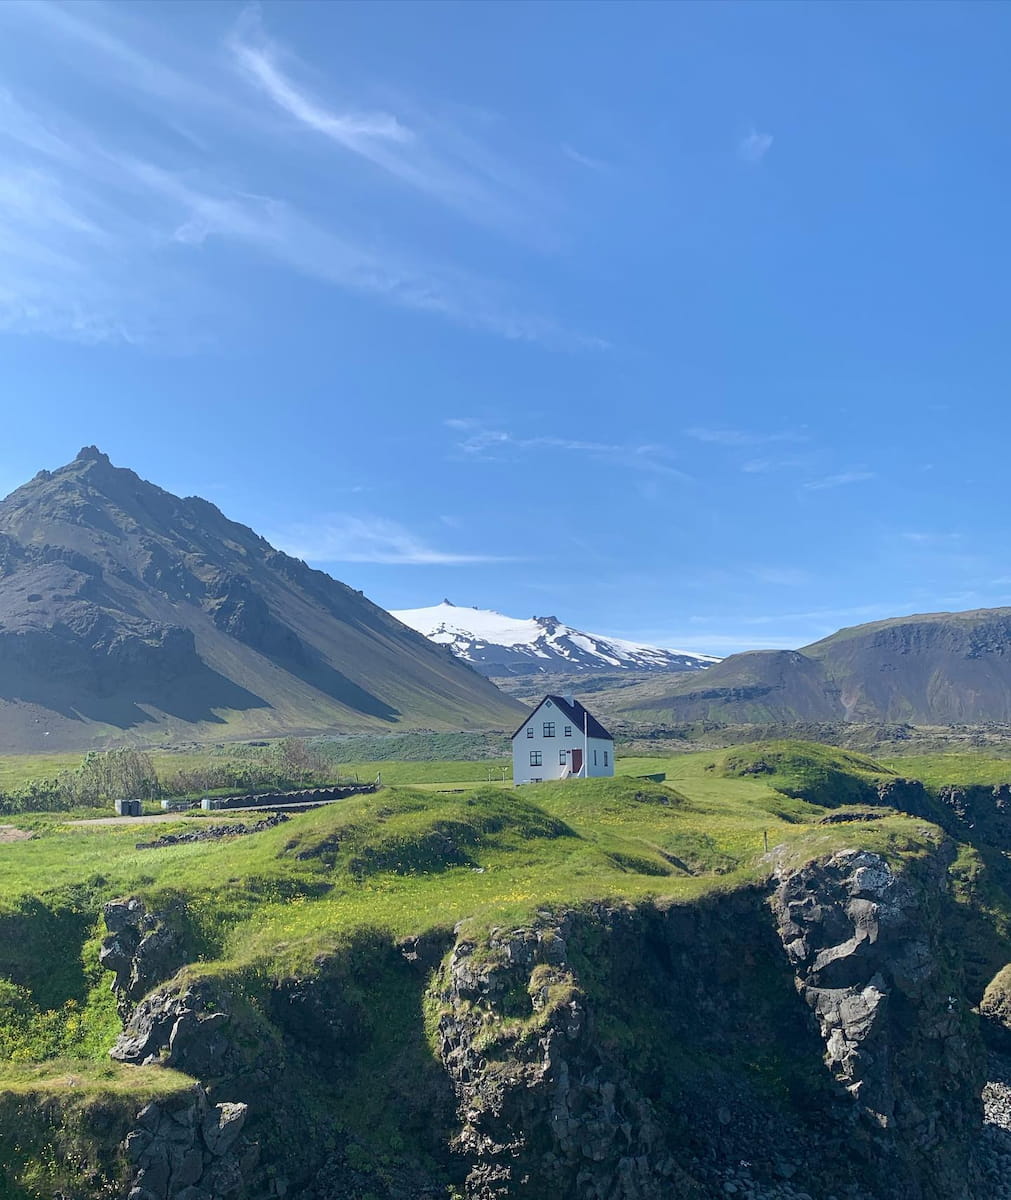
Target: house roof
{"points": [[573, 712]]}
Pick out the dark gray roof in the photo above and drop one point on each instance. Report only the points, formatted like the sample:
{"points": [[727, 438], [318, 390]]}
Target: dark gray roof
{"points": [[573, 713]]}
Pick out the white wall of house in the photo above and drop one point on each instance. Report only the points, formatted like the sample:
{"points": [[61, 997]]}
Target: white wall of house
{"points": [[540, 753]]}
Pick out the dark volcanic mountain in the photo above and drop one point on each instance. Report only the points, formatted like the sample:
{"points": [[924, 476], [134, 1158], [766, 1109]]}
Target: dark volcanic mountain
{"points": [[127, 613], [931, 669]]}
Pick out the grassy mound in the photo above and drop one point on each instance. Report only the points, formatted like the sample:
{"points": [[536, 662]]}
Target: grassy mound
{"points": [[817, 774], [411, 832]]}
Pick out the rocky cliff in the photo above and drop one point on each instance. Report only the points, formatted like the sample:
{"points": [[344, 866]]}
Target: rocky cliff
{"points": [[810, 1037], [782, 982]]}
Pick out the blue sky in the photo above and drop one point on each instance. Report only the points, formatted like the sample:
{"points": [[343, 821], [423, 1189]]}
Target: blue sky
{"points": [[687, 323]]}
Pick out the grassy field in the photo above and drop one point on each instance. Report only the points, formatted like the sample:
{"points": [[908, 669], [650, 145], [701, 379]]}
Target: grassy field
{"points": [[549, 843], [936, 770], [91, 1079], [416, 762], [442, 844], [18, 770]]}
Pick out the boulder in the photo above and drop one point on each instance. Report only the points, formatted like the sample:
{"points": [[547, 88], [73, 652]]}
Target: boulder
{"points": [[222, 1126]]}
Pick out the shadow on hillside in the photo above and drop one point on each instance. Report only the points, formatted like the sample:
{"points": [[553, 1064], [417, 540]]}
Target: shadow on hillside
{"points": [[191, 697], [356, 1050], [246, 616], [40, 949], [315, 671]]}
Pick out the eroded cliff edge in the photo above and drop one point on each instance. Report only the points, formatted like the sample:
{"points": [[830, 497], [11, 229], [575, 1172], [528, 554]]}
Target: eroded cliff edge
{"points": [[807, 1036]]}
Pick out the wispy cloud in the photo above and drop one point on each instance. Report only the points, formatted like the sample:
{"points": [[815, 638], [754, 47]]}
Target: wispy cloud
{"points": [[584, 160], [717, 633], [744, 437], [719, 643], [62, 252], [279, 231], [421, 153], [362, 132], [100, 243], [833, 617], [842, 479], [480, 441], [111, 56], [337, 538], [754, 146]]}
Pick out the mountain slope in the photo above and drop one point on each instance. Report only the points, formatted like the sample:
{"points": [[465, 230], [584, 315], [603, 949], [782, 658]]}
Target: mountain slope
{"points": [[497, 645], [928, 669], [127, 613]]}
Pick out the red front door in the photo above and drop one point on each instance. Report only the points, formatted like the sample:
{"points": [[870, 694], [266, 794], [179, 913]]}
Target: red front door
{"points": [[577, 761]]}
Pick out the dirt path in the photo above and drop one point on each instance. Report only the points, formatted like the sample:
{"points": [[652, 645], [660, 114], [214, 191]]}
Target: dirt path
{"points": [[149, 819], [11, 833]]}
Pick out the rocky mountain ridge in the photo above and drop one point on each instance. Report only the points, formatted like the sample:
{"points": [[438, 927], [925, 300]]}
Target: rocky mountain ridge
{"points": [[126, 611], [927, 669]]}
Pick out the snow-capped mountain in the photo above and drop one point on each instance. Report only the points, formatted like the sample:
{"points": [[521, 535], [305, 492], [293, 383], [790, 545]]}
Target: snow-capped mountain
{"points": [[497, 645]]}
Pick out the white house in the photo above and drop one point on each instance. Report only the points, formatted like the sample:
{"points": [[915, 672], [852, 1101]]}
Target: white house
{"points": [[559, 740]]}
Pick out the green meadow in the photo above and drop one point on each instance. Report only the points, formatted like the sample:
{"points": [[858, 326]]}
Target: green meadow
{"points": [[441, 842]]}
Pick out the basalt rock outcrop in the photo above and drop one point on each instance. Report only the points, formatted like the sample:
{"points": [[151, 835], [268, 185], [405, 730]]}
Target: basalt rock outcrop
{"points": [[981, 813], [995, 1010], [865, 945], [805, 1040], [826, 1046], [190, 1149], [188, 1024], [542, 1110], [140, 949]]}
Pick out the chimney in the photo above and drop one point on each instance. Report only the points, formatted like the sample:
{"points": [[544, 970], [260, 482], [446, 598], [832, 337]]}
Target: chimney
{"points": [[569, 699]]}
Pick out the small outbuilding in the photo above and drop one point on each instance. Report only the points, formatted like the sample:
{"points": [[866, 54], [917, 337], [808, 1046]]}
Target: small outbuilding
{"points": [[561, 740]]}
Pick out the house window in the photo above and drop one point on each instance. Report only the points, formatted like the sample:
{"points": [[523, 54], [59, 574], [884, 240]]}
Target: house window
{"points": [[530, 731], [549, 729], [535, 758], [562, 760], [536, 780], [594, 758], [605, 758], [568, 731]]}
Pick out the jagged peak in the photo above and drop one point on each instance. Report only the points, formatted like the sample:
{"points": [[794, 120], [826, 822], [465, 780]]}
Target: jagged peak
{"points": [[92, 454]]}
